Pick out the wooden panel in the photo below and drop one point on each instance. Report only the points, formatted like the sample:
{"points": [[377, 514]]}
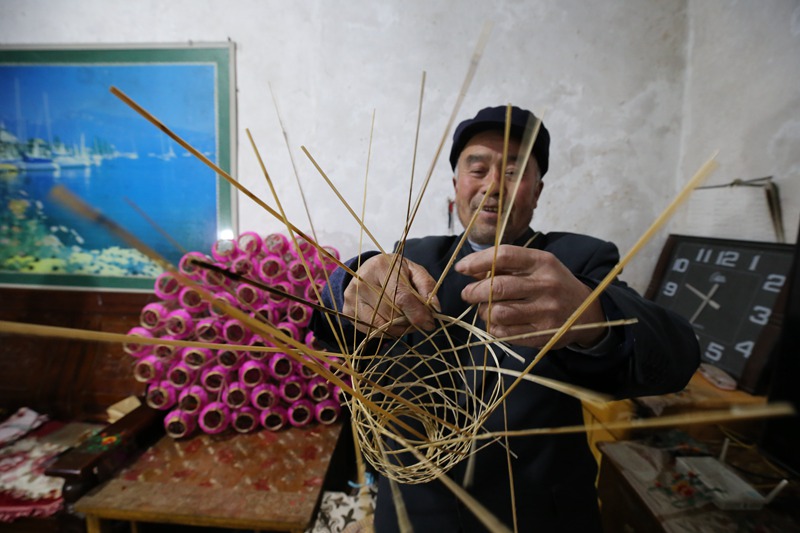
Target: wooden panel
{"points": [[67, 379]]}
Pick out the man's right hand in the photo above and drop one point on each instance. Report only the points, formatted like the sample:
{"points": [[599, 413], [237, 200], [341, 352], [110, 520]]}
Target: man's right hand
{"points": [[408, 292]]}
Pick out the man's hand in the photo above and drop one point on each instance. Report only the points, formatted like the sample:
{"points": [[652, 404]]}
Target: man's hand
{"points": [[408, 293], [532, 291]]}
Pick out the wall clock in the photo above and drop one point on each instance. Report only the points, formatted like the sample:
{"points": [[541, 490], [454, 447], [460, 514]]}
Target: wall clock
{"points": [[727, 289]]}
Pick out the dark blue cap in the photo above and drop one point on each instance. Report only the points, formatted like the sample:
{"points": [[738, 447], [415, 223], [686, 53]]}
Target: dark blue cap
{"points": [[494, 118]]}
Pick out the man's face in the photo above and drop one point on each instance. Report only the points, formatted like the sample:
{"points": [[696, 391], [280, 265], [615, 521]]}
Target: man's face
{"points": [[478, 173]]}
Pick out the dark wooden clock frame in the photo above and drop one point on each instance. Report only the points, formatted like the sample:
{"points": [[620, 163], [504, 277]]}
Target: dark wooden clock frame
{"points": [[753, 377]]}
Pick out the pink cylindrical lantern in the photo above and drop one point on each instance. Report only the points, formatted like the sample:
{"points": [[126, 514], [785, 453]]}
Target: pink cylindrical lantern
{"points": [[264, 396], [230, 359], [153, 315], [196, 357], [209, 329], [249, 296], [266, 313], [166, 286], [161, 395], [135, 349], [257, 354], [243, 265], [291, 330], [300, 413], [305, 248], [280, 366], [297, 275], [191, 300], [179, 323], [276, 243], [338, 394], [299, 314], [179, 424], [292, 388], [220, 297], [235, 332], [215, 378], [314, 289], [235, 395], [253, 373], [191, 270], [274, 418], [308, 371], [193, 399], [165, 352], [214, 279], [327, 411], [271, 269], [148, 369], [326, 263], [245, 419], [181, 375], [250, 243], [224, 250], [279, 301], [214, 418], [309, 340], [318, 389]]}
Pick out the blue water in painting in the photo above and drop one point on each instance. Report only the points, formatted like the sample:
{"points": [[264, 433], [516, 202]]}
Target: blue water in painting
{"points": [[169, 193]]}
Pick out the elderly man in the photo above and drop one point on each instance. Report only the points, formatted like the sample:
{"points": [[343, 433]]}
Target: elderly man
{"points": [[539, 281]]}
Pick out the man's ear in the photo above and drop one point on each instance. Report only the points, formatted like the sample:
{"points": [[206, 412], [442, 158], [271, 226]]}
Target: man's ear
{"points": [[454, 181], [537, 191]]}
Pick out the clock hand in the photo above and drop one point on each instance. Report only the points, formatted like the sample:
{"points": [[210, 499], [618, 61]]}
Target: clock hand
{"points": [[706, 301], [711, 302]]}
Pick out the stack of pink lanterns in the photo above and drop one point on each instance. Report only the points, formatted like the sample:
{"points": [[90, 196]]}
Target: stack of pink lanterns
{"points": [[225, 388]]}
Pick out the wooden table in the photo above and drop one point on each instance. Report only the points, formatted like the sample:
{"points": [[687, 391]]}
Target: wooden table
{"points": [[642, 492], [263, 481]]}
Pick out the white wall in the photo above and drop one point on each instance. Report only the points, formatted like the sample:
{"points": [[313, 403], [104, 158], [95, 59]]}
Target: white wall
{"points": [[743, 98], [609, 78]]}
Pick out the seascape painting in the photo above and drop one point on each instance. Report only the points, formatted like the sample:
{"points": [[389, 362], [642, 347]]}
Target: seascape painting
{"points": [[61, 126]]}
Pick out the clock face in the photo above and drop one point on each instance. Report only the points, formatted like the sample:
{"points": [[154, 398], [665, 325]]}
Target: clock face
{"points": [[726, 289]]}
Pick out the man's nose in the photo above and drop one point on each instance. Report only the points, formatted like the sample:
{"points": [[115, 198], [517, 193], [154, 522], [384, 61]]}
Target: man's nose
{"points": [[492, 181]]}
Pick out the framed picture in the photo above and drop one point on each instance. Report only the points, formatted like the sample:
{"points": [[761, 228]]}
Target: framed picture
{"points": [[61, 125], [728, 290]]}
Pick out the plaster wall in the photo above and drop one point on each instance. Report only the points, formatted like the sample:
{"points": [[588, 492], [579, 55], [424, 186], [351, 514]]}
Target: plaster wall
{"points": [[610, 79], [742, 98]]}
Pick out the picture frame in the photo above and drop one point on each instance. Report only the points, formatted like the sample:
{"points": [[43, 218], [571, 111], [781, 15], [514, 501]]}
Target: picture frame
{"points": [[61, 125], [730, 291]]}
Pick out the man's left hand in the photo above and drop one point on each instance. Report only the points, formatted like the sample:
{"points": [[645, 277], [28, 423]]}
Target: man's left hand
{"points": [[531, 291]]}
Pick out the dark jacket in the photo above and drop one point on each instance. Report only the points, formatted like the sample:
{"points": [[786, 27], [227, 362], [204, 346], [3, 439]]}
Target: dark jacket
{"points": [[553, 476]]}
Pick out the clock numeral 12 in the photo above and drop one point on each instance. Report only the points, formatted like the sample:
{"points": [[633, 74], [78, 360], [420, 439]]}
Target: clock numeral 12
{"points": [[725, 258]]}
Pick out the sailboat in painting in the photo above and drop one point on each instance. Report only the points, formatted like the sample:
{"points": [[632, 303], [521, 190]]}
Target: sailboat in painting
{"points": [[165, 154], [75, 157]]}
